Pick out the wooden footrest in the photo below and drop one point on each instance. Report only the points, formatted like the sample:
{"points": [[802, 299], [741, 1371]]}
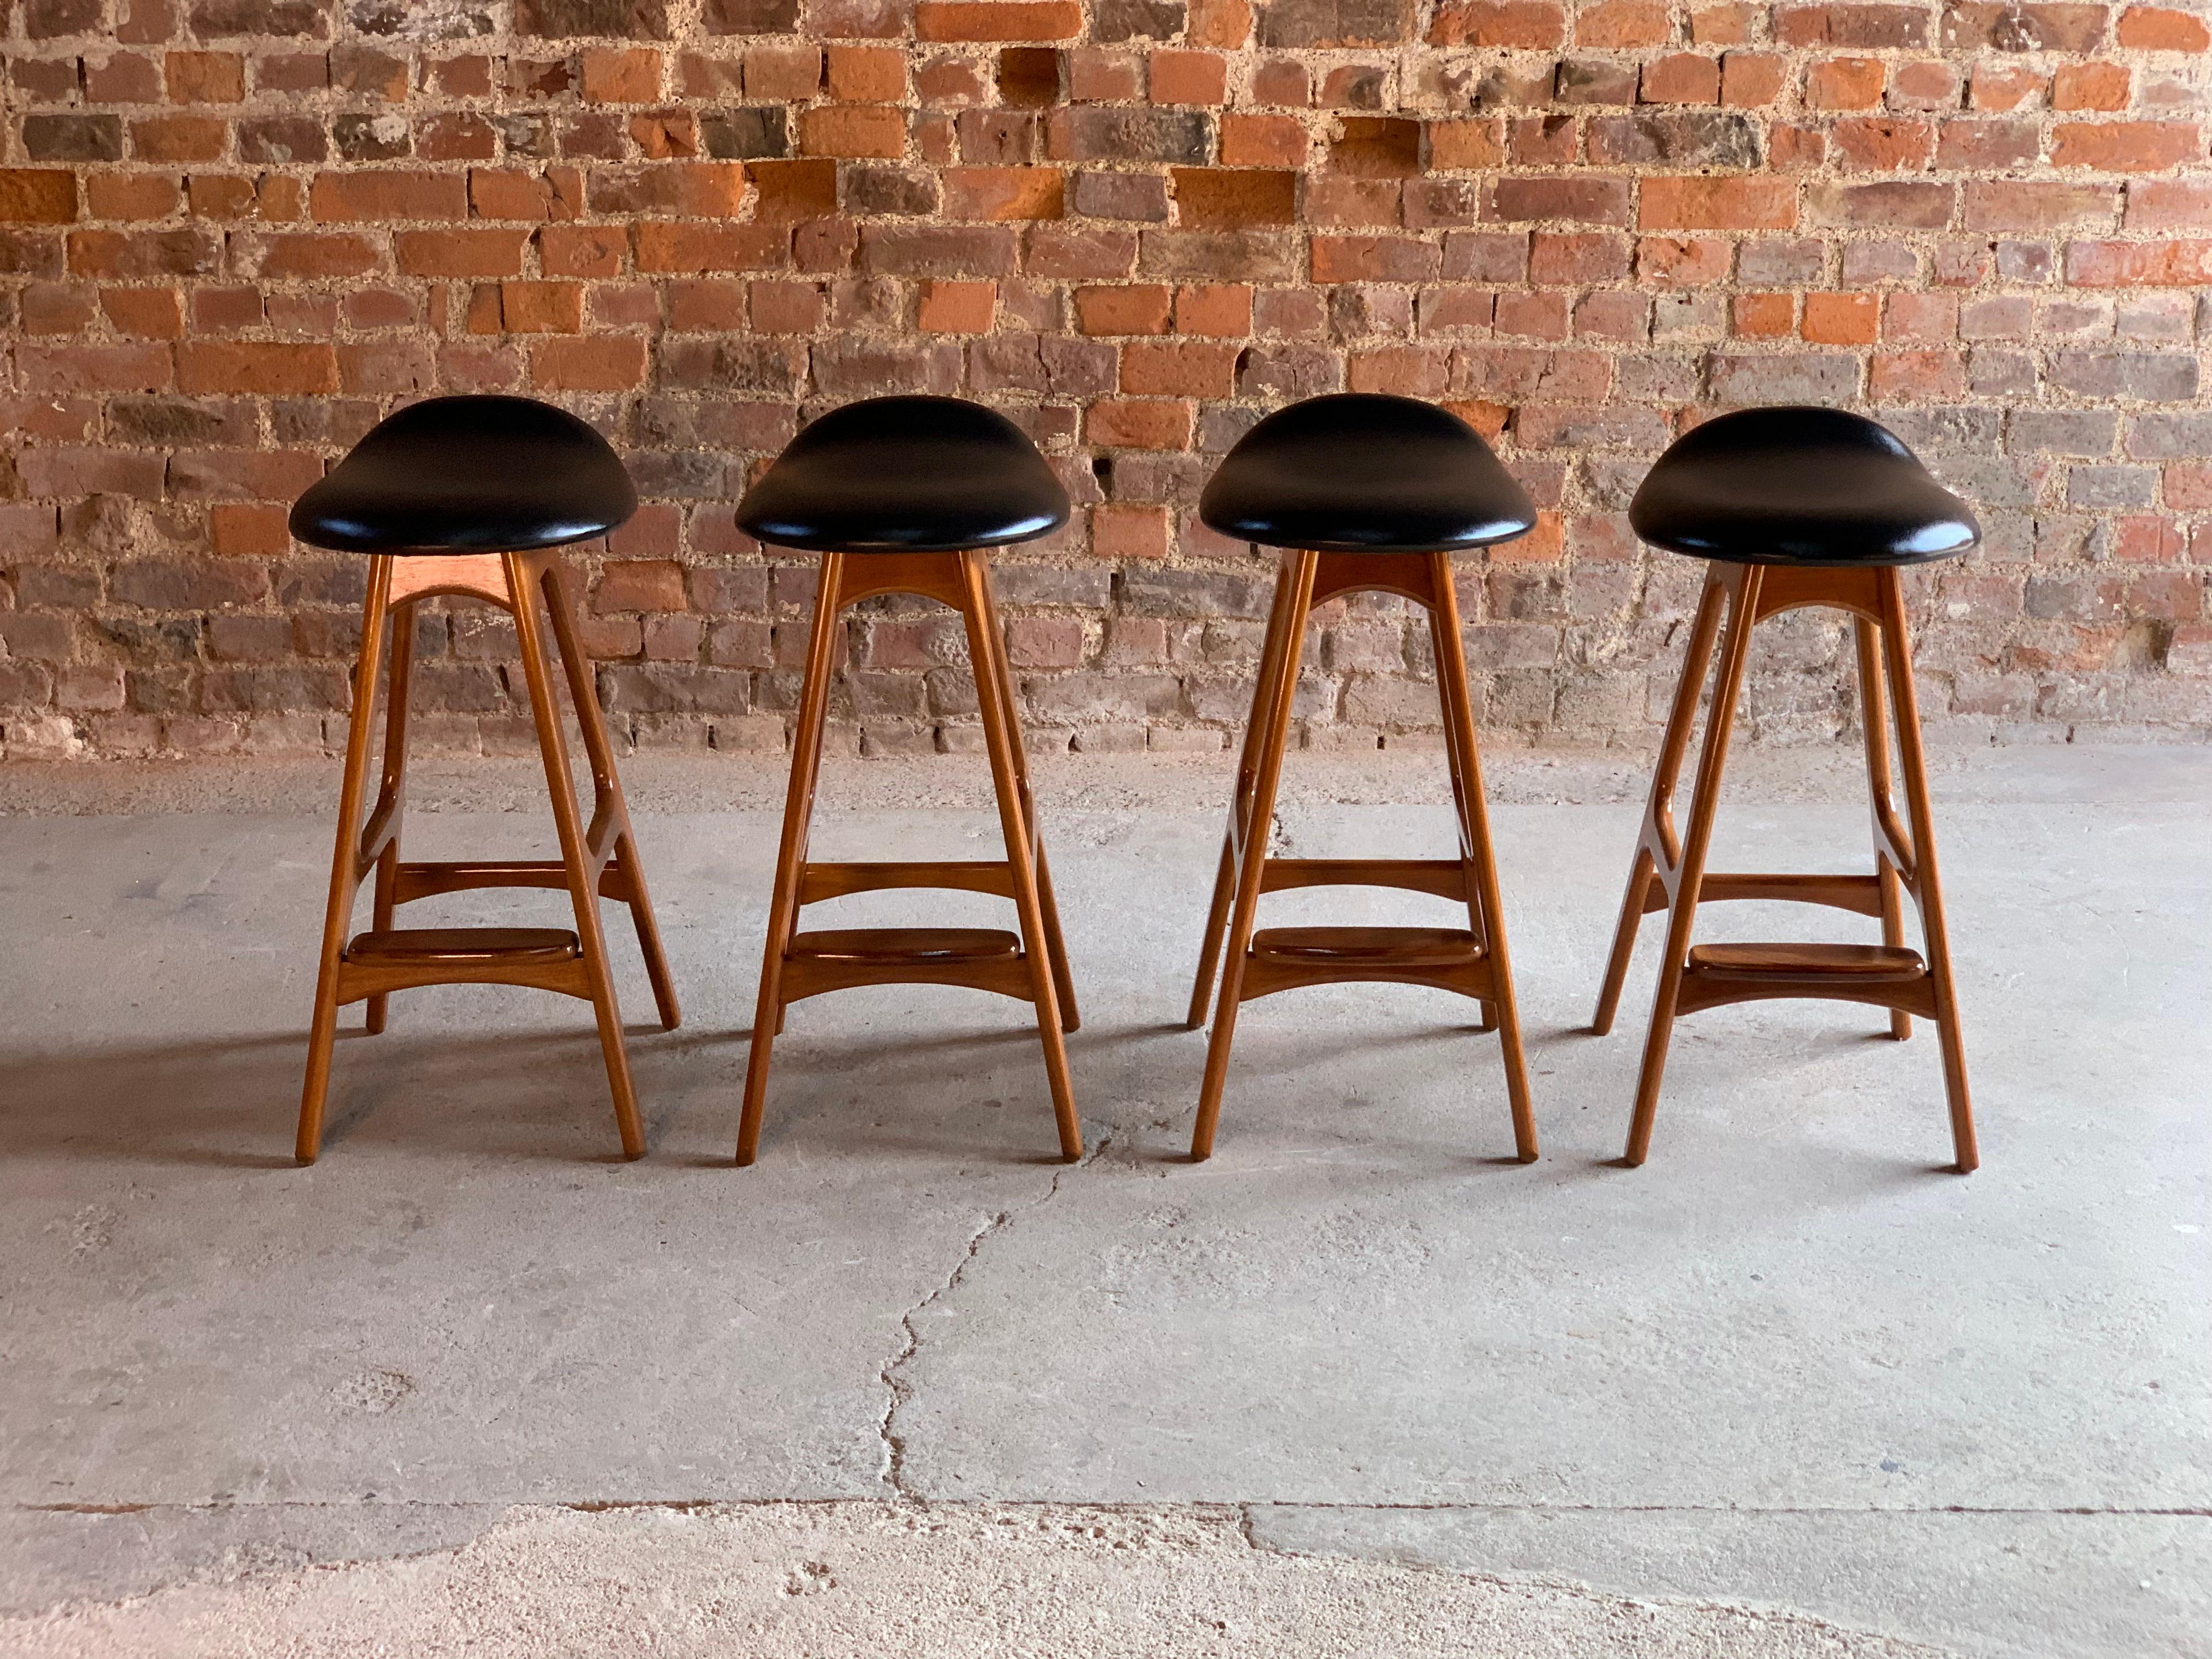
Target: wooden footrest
{"points": [[1857, 961], [401, 959], [982, 958], [1448, 958], [1368, 947], [464, 946], [906, 944], [1885, 975]]}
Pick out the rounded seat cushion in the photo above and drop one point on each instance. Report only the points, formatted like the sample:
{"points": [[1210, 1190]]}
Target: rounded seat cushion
{"points": [[1799, 486], [469, 474], [1360, 472], [906, 475]]}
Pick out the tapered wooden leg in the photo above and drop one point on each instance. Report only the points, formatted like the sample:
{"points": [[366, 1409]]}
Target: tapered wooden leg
{"points": [[1928, 887], [345, 862], [1874, 716], [1641, 873], [397, 696], [1273, 719], [1272, 650], [576, 854], [791, 854], [1063, 978], [1002, 739], [1486, 906], [606, 787], [1743, 582], [1659, 813]]}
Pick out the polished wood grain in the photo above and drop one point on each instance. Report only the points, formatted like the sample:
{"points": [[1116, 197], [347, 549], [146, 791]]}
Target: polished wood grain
{"points": [[598, 860], [1668, 871], [1251, 963], [1030, 966]]}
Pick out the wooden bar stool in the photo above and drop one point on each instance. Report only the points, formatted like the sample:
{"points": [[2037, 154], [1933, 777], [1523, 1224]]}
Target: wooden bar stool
{"points": [[1364, 494], [474, 497], [1795, 508], [902, 496]]}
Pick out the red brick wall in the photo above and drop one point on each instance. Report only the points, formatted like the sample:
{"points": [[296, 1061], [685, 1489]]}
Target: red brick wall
{"points": [[233, 233]]}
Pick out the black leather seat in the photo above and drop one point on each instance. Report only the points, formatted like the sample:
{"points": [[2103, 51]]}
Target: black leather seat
{"points": [[1360, 472], [469, 474], [906, 475], [1799, 486]]}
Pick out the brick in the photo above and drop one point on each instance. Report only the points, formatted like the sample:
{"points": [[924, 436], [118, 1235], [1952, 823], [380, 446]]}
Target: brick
{"points": [[1622, 23], [1530, 24], [1215, 198], [2091, 87], [1130, 308], [95, 369], [2039, 205], [600, 363], [129, 254], [2005, 26], [37, 196], [474, 252], [997, 20], [958, 307], [852, 131], [627, 75], [1263, 140], [131, 196], [582, 249], [2162, 28], [665, 246], [1002, 194], [1576, 201], [1188, 78], [1722, 203], [1862, 26], [1178, 368], [1885, 143], [1841, 318], [1842, 83], [2140, 265], [387, 196], [2125, 146], [1374, 259], [1140, 423], [261, 368], [147, 313]]}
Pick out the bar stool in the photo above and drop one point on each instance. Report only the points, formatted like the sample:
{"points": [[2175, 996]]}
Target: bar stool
{"points": [[902, 496], [473, 495], [1795, 508], [1363, 492]]}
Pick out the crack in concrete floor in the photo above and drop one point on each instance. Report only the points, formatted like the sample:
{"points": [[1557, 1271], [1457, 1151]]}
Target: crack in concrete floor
{"points": [[896, 1386]]}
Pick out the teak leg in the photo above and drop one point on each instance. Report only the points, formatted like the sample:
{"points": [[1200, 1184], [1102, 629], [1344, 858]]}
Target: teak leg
{"points": [[1003, 742], [608, 803], [391, 794], [1927, 887], [791, 854], [1743, 583], [576, 856], [1063, 980], [1272, 719], [1479, 860], [1873, 717], [345, 862], [1658, 842], [1275, 643]]}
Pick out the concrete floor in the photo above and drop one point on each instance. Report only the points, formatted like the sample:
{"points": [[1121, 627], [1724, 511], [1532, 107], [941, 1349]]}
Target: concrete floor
{"points": [[1358, 1385]]}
